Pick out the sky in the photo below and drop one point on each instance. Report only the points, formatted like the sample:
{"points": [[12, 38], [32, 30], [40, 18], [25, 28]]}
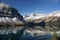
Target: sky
{"points": [[26, 7]]}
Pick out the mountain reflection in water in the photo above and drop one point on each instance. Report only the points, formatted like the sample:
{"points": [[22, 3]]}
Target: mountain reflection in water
{"points": [[41, 37], [24, 33]]}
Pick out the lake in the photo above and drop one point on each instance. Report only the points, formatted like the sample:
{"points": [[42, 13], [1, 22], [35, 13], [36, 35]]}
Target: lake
{"points": [[24, 33]]}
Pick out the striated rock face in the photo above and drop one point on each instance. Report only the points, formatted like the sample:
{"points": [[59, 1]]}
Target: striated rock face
{"points": [[9, 15], [8, 11], [53, 22], [10, 21]]}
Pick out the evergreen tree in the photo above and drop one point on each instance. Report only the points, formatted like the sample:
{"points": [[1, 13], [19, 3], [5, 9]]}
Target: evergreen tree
{"points": [[54, 37]]}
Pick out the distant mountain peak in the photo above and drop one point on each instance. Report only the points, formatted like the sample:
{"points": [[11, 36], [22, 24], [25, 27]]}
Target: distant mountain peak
{"points": [[8, 11], [55, 13], [34, 16], [4, 5]]}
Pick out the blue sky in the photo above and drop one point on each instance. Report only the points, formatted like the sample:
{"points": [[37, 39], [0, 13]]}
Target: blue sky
{"points": [[34, 6]]}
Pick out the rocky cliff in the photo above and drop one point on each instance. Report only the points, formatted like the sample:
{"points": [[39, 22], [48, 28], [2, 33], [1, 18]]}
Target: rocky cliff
{"points": [[8, 11], [9, 15]]}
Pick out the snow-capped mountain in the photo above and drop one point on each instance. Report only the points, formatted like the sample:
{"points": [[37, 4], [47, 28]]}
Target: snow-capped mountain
{"points": [[9, 15], [53, 20], [55, 13], [34, 16], [39, 16], [7, 10]]}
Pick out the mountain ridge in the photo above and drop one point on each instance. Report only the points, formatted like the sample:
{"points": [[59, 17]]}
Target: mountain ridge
{"points": [[9, 15]]}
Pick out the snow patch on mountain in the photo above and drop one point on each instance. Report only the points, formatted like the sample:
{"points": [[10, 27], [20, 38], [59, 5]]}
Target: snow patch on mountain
{"points": [[55, 13], [6, 20], [34, 16]]}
